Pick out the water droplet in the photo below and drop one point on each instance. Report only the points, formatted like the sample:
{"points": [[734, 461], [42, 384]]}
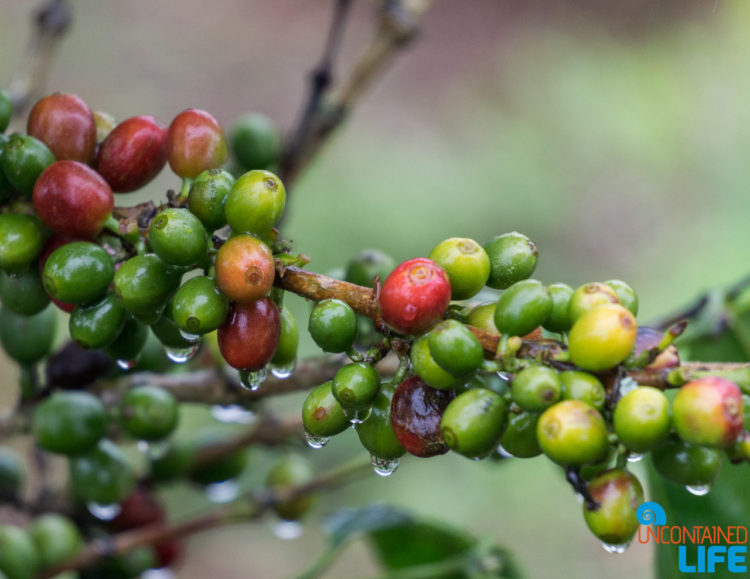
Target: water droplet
{"points": [[635, 457], [502, 452], [357, 416], [504, 376], [287, 530], [283, 372], [181, 355], [162, 573], [627, 385], [383, 466], [190, 337], [252, 380], [234, 413], [104, 512], [698, 490], [615, 548], [127, 364], [223, 492], [316, 441], [153, 450]]}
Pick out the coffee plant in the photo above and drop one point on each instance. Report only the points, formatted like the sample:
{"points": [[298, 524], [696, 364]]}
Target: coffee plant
{"points": [[460, 351]]}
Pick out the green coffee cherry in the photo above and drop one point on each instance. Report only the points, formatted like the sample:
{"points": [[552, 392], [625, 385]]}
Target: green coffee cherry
{"points": [[572, 433], [473, 422], [322, 414], [21, 241], [522, 308], [590, 296], [558, 319], [23, 160], [55, 539], [376, 433], [78, 272], [255, 142], [602, 338], [686, 464], [465, 262], [618, 494], [333, 325], [641, 419], [178, 237], [149, 413], [513, 257], [6, 110], [102, 475], [199, 307], [23, 292], [144, 284], [175, 463], [28, 339], [483, 317], [18, 556], [625, 294], [288, 471], [708, 411], [368, 264], [355, 386], [169, 334], [208, 194], [426, 367], [130, 342], [584, 387], [519, 438], [536, 388], [12, 474], [70, 422], [98, 324], [225, 468], [255, 202], [286, 352], [455, 348]]}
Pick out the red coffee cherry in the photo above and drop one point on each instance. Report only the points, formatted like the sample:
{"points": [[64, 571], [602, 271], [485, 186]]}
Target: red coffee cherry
{"points": [[416, 412], [708, 412], [139, 510], [244, 269], [195, 143], [250, 336], [415, 296], [133, 153], [72, 199], [66, 125]]}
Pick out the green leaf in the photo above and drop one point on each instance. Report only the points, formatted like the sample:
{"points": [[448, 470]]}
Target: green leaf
{"points": [[346, 523]]}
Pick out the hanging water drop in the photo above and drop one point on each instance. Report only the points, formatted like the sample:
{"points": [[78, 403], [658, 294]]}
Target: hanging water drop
{"points": [[127, 364], [287, 530], [383, 466], [181, 355], [223, 492], [252, 380], [104, 512], [615, 547], [357, 416], [234, 414], [316, 441], [698, 490], [502, 452], [283, 372], [635, 457], [189, 337]]}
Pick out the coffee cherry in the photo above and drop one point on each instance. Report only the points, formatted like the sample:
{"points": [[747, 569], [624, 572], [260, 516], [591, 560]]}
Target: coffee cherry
{"points": [[415, 296], [427, 369], [255, 203], [21, 240], [250, 336], [27, 339], [455, 348], [207, 196], [625, 294], [177, 237], [144, 284], [23, 292], [366, 265], [376, 433], [149, 413], [522, 308], [602, 338], [686, 464], [355, 386], [245, 269], [175, 463], [72, 367], [590, 296], [416, 412], [18, 556], [69, 422], [482, 316], [572, 433], [102, 475], [199, 307], [286, 353], [288, 471], [169, 335], [130, 342], [54, 242], [708, 411], [558, 319], [133, 154], [641, 418], [23, 160], [584, 387], [513, 258], [216, 470], [78, 273], [333, 325], [6, 110], [66, 125], [12, 474], [195, 143], [618, 494], [55, 539], [105, 124], [73, 199], [255, 142], [740, 451], [473, 422], [465, 262], [322, 414], [519, 437], [536, 388], [98, 324], [140, 509]]}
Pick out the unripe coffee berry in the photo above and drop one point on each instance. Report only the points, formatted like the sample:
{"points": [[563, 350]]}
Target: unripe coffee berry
{"points": [[56, 539], [513, 257], [21, 241], [590, 296], [23, 160], [286, 353], [245, 269], [465, 262], [482, 316], [97, 324], [368, 264], [207, 196], [536, 388], [199, 307], [102, 475], [522, 308], [255, 203], [148, 413], [625, 294], [356, 385], [69, 422], [558, 319], [376, 433], [708, 411], [584, 387], [27, 339], [333, 325], [519, 438], [641, 418], [288, 471], [618, 494], [255, 141], [426, 367], [455, 348], [572, 433], [686, 464], [323, 415], [78, 272], [602, 338], [473, 422], [178, 237]]}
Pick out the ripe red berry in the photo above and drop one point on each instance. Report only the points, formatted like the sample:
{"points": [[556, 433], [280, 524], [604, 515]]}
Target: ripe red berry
{"points": [[195, 143], [72, 199], [708, 411], [415, 296], [139, 510], [250, 336], [133, 153], [66, 125]]}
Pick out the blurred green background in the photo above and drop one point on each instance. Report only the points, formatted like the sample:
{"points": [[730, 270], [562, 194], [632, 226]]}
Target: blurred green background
{"points": [[616, 137]]}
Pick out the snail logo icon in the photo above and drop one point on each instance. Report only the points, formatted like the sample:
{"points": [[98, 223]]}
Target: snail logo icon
{"points": [[651, 513]]}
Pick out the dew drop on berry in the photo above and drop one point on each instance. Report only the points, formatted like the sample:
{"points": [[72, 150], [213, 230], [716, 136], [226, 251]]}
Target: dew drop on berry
{"points": [[252, 380], [287, 530], [698, 490], [233, 414], [181, 355], [189, 337], [502, 452], [383, 466], [103, 512], [223, 492], [616, 547], [357, 416], [635, 457], [127, 364], [282, 372], [316, 441]]}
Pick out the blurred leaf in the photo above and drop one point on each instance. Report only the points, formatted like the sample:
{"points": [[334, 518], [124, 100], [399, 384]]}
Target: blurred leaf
{"points": [[345, 523]]}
